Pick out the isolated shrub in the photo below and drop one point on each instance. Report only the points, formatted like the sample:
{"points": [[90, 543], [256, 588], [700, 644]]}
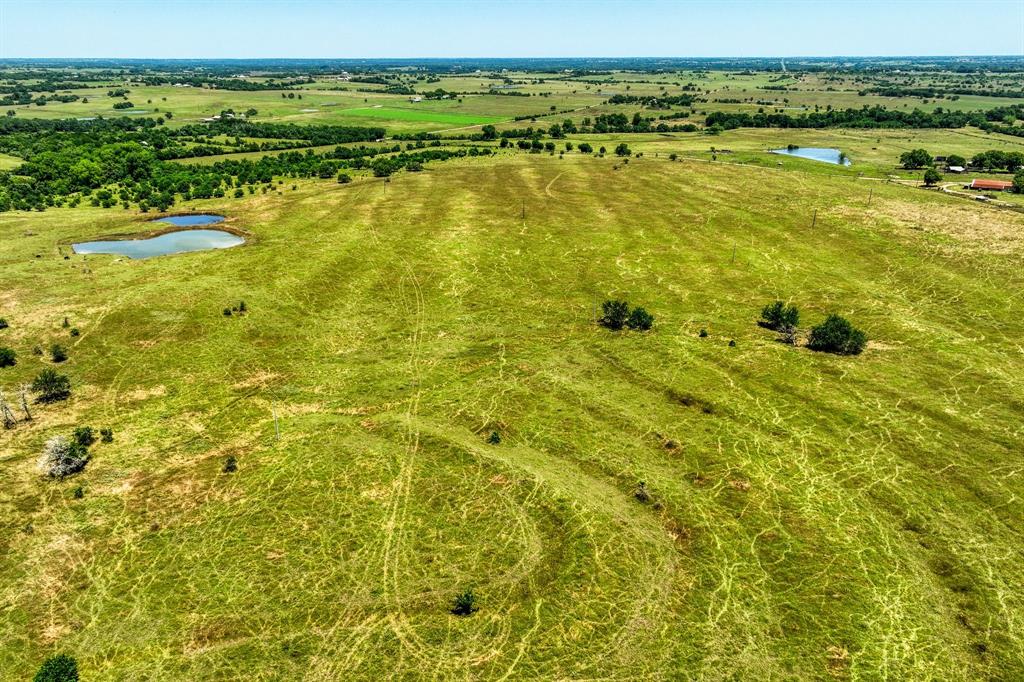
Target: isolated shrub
{"points": [[78, 493], [614, 314], [7, 357], [62, 457], [3, 323], [51, 386], [106, 436], [641, 493], [837, 335], [465, 603], [494, 438], [75, 332], [703, 333], [59, 668], [640, 320], [622, 149], [242, 307], [732, 343], [586, 148], [84, 436], [779, 316], [227, 312], [344, 178], [230, 465], [58, 353]]}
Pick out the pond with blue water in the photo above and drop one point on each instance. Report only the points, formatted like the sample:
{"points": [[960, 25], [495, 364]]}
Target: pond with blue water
{"points": [[179, 241], [823, 154]]}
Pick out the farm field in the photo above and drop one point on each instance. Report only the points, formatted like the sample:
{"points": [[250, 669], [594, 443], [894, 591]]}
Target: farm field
{"points": [[810, 515], [398, 394]]}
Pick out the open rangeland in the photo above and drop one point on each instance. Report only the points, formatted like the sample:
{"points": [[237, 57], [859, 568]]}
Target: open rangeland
{"points": [[802, 515]]}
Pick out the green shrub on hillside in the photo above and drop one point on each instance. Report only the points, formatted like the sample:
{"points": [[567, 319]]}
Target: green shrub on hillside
{"points": [[837, 335], [614, 314], [51, 386], [465, 604], [59, 668], [779, 316], [58, 353], [7, 357], [640, 320]]}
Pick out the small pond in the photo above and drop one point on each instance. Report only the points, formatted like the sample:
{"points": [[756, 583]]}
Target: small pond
{"points": [[827, 155], [182, 241]]}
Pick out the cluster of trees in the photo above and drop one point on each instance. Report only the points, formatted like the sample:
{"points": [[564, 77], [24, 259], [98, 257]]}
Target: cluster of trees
{"points": [[218, 83], [617, 315], [990, 160], [834, 335], [653, 101]]}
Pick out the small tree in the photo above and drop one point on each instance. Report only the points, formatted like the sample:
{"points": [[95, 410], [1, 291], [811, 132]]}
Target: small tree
{"points": [[106, 436], [62, 457], [837, 335], [344, 178], [779, 317], [7, 357], [622, 149], [1018, 182], [465, 604], [3, 323], [917, 158], [84, 436], [932, 176], [51, 386], [640, 320], [58, 353], [230, 465], [615, 314], [59, 668], [494, 438]]}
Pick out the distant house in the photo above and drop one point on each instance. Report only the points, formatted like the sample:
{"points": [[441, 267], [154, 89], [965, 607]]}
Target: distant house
{"points": [[992, 185], [956, 169], [415, 99]]}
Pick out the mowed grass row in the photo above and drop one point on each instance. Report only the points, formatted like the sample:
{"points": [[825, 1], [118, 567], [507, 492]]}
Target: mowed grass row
{"points": [[811, 516]]}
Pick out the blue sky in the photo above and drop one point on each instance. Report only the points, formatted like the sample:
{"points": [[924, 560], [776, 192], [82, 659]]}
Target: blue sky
{"points": [[489, 28]]}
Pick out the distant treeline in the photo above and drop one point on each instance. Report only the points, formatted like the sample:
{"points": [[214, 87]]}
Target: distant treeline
{"points": [[222, 83], [124, 161], [867, 117], [936, 93]]}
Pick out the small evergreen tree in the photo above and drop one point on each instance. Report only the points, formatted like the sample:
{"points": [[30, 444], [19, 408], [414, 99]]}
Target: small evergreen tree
{"points": [[59, 668], [58, 353], [51, 386], [615, 314], [7, 357], [465, 604], [84, 436], [106, 436], [640, 320], [779, 317], [494, 438], [230, 465], [837, 335]]}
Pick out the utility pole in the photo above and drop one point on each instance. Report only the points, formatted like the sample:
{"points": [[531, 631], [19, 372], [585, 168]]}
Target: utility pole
{"points": [[871, 194], [815, 221], [523, 216], [733, 260]]}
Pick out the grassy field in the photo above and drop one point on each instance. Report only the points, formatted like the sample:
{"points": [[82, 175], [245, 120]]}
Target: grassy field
{"points": [[812, 516]]}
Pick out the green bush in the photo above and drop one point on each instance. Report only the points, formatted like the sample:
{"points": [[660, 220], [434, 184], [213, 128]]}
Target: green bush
{"points": [[615, 314], [106, 436], [59, 668], [622, 149], [58, 353], [837, 335], [230, 465], [344, 178], [51, 386], [779, 317], [465, 604], [84, 436], [640, 320], [3, 323], [7, 357], [494, 438]]}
